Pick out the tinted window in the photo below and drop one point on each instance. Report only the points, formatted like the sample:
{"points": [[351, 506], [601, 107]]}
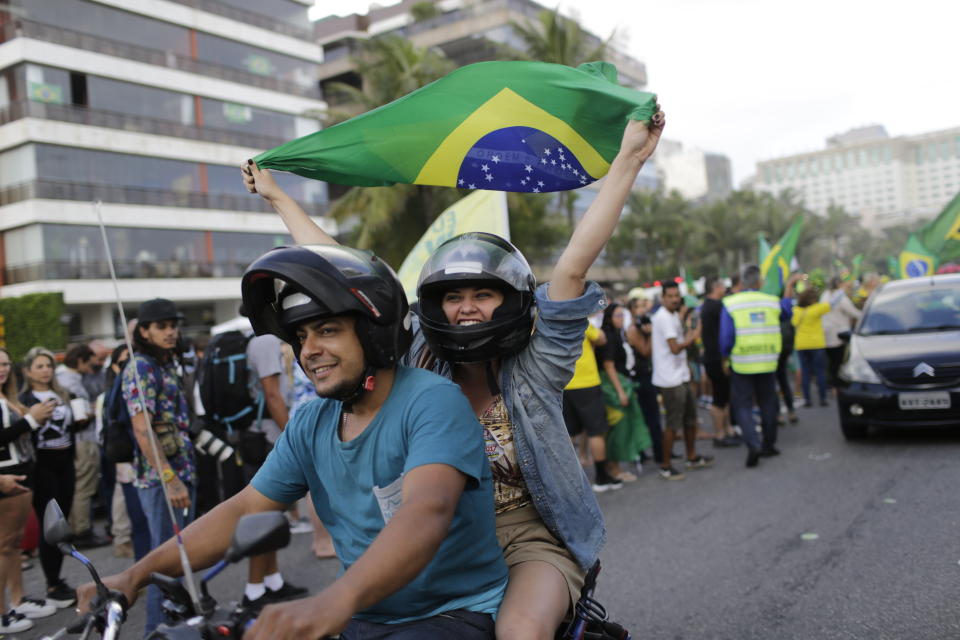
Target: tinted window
{"points": [[255, 60], [99, 20], [67, 164], [138, 100], [913, 310], [285, 10], [238, 117]]}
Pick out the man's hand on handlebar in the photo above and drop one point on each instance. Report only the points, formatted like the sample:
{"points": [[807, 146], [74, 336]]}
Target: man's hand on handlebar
{"points": [[120, 582], [308, 619]]}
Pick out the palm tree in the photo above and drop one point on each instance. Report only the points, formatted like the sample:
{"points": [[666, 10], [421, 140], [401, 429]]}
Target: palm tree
{"points": [[388, 220], [554, 38]]}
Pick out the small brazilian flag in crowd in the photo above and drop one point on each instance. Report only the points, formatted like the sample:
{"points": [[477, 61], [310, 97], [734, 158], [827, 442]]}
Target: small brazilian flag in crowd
{"points": [[505, 126], [942, 234], [916, 260], [775, 267]]}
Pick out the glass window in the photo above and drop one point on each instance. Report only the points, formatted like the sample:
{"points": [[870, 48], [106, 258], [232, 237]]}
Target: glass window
{"points": [[932, 151], [255, 60], [944, 150], [919, 155], [139, 100], [286, 10], [238, 117], [243, 248], [68, 164], [51, 86], [106, 22], [887, 154], [18, 165], [913, 310]]}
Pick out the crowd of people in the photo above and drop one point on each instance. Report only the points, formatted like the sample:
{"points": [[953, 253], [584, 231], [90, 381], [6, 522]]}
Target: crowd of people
{"points": [[55, 409], [648, 361]]}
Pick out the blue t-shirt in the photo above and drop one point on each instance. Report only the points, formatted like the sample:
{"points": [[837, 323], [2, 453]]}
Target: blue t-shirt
{"points": [[356, 487]]}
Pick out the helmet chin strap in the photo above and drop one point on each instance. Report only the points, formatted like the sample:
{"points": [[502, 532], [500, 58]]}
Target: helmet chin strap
{"points": [[368, 382]]}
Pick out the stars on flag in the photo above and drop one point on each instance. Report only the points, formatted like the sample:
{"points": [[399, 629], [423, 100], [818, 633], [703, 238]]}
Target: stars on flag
{"points": [[496, 159], [527, 168], [460, 182], [489, 177], [485, 168]]}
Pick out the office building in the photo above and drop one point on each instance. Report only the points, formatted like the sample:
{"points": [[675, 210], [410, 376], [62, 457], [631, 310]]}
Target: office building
{"points": [[148, 106], [883, 180]]}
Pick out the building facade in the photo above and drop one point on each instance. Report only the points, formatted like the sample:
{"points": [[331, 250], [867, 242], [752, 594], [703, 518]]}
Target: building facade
{"points": [[694, 174], [467, 31], [884, 180], [148, 107]]}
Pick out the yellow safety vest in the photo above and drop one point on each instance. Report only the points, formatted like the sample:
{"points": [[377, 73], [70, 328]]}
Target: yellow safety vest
{"points": [[756, 319]]}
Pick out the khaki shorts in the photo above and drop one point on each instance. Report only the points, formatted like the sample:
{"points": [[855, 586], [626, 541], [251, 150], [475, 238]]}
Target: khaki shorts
{"points": [[523, 537]]}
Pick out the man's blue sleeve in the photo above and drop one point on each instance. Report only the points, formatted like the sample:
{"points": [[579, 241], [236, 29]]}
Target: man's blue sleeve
{"points": [[786, 309], [443, 429], [727, 333], [281, 477]]}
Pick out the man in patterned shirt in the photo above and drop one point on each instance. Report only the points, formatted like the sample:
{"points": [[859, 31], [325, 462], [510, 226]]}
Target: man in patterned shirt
{"points": [[156, 342]]}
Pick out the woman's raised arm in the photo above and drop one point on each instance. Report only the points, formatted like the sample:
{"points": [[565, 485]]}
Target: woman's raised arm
{"points": [[588, 239], [301, 227]]}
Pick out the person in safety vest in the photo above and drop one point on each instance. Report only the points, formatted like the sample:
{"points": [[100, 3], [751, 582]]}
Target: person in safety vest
{"points": [[750, 343]]}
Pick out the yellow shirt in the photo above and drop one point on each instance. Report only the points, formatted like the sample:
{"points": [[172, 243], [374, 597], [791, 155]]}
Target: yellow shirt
{"points": [[808, 321], [585, 373]]}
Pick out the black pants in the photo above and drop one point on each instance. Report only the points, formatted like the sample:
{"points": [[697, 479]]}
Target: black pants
{"points": [[834, 360], [53, 479], [451, 625], [783, 379], [762, 388]]}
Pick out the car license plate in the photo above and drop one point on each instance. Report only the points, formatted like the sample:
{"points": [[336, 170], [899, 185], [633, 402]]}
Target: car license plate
{"points": [[926, 400]]}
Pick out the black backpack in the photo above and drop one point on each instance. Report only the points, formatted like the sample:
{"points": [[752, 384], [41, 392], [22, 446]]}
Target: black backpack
{"points": [[223, 377], [118, 441]]}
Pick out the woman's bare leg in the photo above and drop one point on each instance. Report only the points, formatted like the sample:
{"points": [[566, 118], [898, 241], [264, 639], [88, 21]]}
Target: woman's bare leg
{"points": [[535, 604], [13, 517]]}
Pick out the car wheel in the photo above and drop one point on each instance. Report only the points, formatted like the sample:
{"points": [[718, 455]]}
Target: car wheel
{"points": [[853, 431]]}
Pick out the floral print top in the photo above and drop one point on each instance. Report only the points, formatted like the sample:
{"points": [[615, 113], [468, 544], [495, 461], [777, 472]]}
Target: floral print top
{"points": [[167, 404]]}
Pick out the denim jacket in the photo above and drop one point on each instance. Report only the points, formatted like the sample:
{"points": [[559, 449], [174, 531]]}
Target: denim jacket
{"points": [[532, 382]]}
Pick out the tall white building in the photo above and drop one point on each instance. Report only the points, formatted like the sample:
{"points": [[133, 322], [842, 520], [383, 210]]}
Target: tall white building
{"points": [[148, 106], [695, 174], [883, 180]]}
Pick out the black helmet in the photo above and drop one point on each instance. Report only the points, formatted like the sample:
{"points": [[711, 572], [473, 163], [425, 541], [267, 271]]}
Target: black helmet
{"points": [[289, 285], [477, 259]]}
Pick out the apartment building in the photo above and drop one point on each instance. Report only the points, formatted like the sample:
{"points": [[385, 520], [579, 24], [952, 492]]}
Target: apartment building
{"points": [[882, 179], [147, 106]]}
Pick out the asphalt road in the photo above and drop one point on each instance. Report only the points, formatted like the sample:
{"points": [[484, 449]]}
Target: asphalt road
{"points": [[829, 540]]}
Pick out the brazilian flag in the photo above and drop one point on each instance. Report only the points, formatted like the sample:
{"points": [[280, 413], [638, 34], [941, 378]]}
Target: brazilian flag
{"points": [[942, 234], [506, 126], [916, 260], [775, 267]]}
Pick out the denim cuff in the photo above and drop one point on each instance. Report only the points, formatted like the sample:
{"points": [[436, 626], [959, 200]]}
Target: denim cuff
{"points": [[592, 301]]}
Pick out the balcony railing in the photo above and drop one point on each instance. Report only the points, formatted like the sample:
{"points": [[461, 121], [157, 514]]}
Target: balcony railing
{"points": [[169, 59], [58, 190], [127, 269], [128, 122], [250, 17]]}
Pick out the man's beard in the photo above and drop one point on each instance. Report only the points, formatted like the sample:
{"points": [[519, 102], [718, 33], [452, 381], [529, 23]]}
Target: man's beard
{"points": [[343, 390]]}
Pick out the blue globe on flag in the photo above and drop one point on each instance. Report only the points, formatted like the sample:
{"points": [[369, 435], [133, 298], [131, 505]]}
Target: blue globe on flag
{"points": [[917, 268]]}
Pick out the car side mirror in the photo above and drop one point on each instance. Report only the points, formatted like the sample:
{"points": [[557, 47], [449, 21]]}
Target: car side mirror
{"points": [[56, 529], [845, 335], [258, 533]]}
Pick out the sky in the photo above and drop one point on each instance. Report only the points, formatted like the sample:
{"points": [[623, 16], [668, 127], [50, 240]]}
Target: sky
{"points": [[760, 79]]}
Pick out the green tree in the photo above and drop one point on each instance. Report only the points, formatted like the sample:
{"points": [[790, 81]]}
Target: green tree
{"points": [[424, 11], [559, 40]]}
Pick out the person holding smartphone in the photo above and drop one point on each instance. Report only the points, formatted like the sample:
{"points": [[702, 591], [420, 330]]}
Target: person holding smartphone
{"points": [[54, 471]]}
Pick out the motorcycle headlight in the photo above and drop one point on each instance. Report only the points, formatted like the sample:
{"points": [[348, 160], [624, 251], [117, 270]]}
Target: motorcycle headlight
{"points": [[857, 369]]}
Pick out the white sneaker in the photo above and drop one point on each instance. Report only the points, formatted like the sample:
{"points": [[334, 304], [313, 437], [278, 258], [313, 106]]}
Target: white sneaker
{"points": [[300, 526], [35, 608], [13, 622]]}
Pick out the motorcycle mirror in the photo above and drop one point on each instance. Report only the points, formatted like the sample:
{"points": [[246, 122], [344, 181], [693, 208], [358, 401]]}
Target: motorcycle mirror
{"points": [[56, 529], [258, 533]]}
